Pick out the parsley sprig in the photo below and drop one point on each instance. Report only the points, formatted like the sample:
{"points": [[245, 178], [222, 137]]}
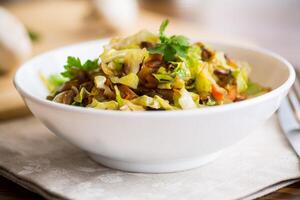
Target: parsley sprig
{"points": [[170, 47], [74, 66]]}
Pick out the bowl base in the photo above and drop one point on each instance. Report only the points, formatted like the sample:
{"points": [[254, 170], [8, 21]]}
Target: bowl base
{"points": [[154, 167]]}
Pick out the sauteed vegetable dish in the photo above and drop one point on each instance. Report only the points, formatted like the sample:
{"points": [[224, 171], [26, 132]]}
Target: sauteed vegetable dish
{"points": [[147, 71]]}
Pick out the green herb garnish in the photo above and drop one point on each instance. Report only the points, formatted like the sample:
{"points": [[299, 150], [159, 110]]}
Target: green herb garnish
{"points": [[170, 47], [74, 66]]}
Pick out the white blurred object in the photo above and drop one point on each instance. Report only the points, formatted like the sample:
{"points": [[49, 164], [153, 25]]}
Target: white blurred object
{"points": [[120, 14], [15, 44]]}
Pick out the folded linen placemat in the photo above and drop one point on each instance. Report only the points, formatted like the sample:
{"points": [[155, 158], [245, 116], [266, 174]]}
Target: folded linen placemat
{"points": [[38, 160]]}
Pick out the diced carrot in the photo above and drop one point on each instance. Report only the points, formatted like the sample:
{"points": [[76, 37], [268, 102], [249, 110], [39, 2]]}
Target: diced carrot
{"points": [[217, 93]]}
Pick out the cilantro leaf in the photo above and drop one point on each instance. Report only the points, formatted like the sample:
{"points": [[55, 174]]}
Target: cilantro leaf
{"points": [[90, 65], [159, 49], [162, 29], [73, 62], [170, 47], [181, 51], [180, 40], [74, 66], [169, 53]]}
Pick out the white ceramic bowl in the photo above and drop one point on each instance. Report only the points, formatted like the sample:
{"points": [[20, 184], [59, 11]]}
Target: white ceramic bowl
{"points": [[155, 141]]}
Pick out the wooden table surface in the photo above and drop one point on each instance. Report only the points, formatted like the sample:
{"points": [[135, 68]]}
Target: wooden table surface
{"points": [[11, 191]]}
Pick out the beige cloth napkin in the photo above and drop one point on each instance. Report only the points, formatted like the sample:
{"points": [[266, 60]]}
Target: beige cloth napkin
{"points": [[35, 158]]}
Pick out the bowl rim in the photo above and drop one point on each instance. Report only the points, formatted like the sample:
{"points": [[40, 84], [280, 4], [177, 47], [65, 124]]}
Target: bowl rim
{"points": [[204, 110]]}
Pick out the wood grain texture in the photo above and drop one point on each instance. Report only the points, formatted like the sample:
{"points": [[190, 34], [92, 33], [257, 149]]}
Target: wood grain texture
{"points": [[291, 192], [12, 191]]}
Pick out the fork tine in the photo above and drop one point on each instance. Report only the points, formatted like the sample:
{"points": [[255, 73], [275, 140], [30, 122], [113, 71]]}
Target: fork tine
{"points": [[296, 86], [294, 99]]}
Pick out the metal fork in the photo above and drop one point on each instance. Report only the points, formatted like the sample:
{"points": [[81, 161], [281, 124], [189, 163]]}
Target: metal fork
{"points": [[289, 116], [294, 98]]}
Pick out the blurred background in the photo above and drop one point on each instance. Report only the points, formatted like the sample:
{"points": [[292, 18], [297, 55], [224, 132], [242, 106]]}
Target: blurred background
{"points": [[29, 27], [273, 24]]}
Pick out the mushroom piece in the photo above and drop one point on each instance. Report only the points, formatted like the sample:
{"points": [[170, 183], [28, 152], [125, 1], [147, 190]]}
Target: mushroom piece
{"points": [[15, 44]]}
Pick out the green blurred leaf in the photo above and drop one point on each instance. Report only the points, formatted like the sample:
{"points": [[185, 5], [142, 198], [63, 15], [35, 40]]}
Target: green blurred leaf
{"points": [[34, 36], [255, 89]]}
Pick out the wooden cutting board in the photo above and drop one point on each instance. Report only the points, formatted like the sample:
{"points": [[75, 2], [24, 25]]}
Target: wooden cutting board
{"points": [[63, 22]]}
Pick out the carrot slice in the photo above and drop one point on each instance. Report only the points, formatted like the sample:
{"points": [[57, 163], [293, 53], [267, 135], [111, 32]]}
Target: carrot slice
{"points": [[217, 93]]}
